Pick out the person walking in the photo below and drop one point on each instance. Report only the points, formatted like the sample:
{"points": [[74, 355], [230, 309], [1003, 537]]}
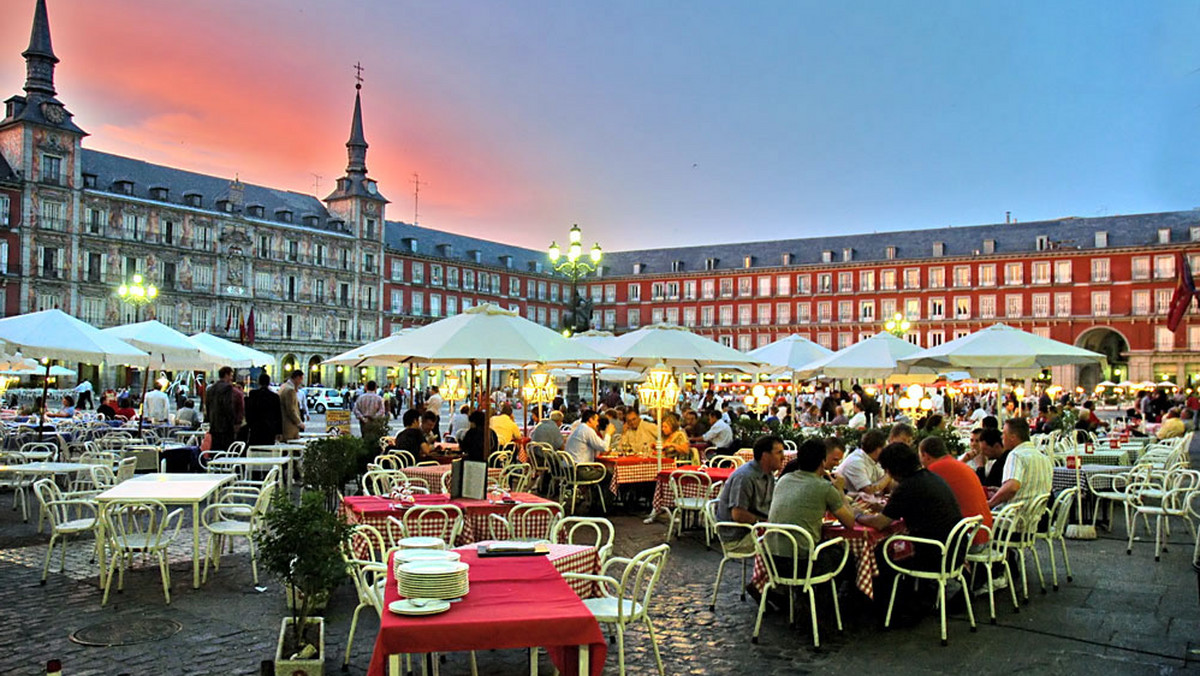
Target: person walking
{"points": [[224, 409], [264, 414], [289, 404], [369, 406]]}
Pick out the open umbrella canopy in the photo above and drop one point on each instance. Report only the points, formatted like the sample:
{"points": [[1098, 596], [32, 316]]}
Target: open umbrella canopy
{"points": [[359, 355], [168, 348], [790, 352], [484, 332], [54, 334], [872, 359], [229, 353], [1001, 350], [674, 347], [1106, 383], [31, 367]]}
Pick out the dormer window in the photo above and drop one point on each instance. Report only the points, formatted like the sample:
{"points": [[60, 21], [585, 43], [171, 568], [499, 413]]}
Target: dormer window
{"points": [[1042, 243], [676, 266], [283, 215], [89, 180], [193, 199], [445, 250], [123, 186], [336, 224], [826, 256], [473, 255], [312, 220], [225, 205], [847, 255], [1164, 235], [160, 193], [939, 249], [637, 268], [506, 261], [748, 261], [711, 263], [1101, 239], [786, 259], [256, 211], [989, 246], [889, 253]]}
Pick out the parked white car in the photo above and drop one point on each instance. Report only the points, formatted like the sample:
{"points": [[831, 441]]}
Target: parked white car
{"points": [[321, 398]]}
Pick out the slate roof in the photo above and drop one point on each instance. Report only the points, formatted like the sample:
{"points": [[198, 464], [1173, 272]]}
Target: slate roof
{"points": [[6, 172], [429, 242], [110, 168], [1063, 234]]}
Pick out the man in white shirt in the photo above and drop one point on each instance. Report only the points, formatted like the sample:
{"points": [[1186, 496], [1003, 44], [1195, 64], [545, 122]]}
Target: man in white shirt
{"points": [[861, 470], [1028, 473], [859, 420], [719, 434], [977, 414], [434, 402], [157, 406], [585, 444], [639, 437]]}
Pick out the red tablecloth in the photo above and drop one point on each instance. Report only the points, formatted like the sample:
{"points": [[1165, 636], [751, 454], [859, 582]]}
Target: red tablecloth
{"points": [[664, 499], [432, 474], [862, 541], [374, 511], [567, 559], [514, 602], [631, 469]]}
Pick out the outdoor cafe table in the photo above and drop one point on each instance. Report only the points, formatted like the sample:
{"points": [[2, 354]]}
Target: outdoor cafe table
{"points": [[1065, 477], [432, 474], [664, 499], [1099, 456], [277, 450], [862, 541], [258, 462], [374, 510], [566, 559], [169, 489], [631, 469], [514, 602], [45, 468]]}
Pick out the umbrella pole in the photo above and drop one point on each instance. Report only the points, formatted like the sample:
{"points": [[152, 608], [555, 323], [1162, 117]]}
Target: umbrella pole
{"points": [[142, 403], [487, 416], [658, 429], [524, 405], [595, 391], [45, 391]]}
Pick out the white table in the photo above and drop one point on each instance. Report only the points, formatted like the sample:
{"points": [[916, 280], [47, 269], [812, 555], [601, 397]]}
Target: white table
{"points": [[42, 468], [169, 489], [284, 449], [260, 462], [190, 434]]}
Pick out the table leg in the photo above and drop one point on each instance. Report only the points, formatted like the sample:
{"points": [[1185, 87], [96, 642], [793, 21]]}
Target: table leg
{"points": [[584, 654], [394, 665], [533, 663], [195, 545], [102, 550]]}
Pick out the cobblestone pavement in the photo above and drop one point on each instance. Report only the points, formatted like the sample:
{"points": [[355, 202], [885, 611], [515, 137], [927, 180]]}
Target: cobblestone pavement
{"points": [[1121, 614]]}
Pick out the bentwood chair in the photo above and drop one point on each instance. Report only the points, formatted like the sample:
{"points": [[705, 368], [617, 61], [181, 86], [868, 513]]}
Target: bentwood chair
{"points": [[1176, 495], [62, 523], [1005, 522], [366, 562], [729, 552], [221, 524], [530, 521], [139, 527], [952, 559], [690, 491], [1056, 531], [600, 531], [791, 542], [626, 600]]}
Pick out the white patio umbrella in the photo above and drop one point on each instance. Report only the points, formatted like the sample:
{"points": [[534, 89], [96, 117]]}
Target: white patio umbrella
{"points": [[230, 353], [30, 367], [359, 356], [1001, 349], [791, 353], [675, 347], [54, 334], [875, 358]]}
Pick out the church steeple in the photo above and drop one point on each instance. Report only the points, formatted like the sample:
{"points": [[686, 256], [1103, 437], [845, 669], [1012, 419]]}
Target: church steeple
{"points": [[39, 56], [356, 147]]}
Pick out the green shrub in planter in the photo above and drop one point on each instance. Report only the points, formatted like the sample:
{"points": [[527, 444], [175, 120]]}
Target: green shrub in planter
{"points": [[329, 463], [372, 431], [300, 545]]}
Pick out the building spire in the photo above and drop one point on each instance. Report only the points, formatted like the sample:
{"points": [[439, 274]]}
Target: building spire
{"points": [[39, 56], [357, 145]]}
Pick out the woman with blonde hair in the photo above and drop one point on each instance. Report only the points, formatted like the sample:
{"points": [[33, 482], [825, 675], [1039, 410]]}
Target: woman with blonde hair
{"points": [[675, 441]]}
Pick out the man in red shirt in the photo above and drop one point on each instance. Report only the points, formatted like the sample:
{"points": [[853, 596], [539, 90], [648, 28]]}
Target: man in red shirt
{"points": [[963, 481]]}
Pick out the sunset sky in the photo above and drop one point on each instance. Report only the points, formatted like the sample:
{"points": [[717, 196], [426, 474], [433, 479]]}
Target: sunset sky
{"points": [[653, 123]]}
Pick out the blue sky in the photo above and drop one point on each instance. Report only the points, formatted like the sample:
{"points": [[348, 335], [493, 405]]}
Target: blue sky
{"points": [[657, 123]]}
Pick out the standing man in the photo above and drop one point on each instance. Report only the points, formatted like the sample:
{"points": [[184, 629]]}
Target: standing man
{"points": [[434, 402], [157, 406], [369, 406], [289, 404], [83, 392], [264, 414], [225, 409]]}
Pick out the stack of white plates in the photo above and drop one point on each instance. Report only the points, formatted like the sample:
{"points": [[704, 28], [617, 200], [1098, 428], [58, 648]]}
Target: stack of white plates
{"points": [[420, 543], [433, 579], [404, 556]]}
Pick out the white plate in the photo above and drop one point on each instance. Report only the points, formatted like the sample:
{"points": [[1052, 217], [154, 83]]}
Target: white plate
{"points": [[434, 568], [410, 555], [420, 543], [419, 606]]}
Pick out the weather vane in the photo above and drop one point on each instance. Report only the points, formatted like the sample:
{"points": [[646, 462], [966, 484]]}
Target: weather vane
{"points": [[358, 78]]}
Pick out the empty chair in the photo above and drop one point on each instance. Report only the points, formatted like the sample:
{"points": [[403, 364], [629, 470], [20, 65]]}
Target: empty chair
{"points": [[597, 531], [1171, 500], [516, 477], [499, 459], [1056, 531], [1025, 540], [380, 482], [626, 599], [778, 545], [18, 482], [139, 527], [444, 522], [953, 555], [529, 521], [690, 491], [223, 524], [125, 469], [729, 550], [718, 461], [1005, 522], [366, 562], [62, 522], [40, 451]]}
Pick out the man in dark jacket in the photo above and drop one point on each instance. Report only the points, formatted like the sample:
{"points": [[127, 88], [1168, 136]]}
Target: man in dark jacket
{"points": [[264, 416], [224, 407]]}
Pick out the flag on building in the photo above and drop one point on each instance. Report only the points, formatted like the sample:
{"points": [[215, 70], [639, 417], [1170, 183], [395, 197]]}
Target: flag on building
{"points": [[1185, 291], [250, 328], [241, 327]]}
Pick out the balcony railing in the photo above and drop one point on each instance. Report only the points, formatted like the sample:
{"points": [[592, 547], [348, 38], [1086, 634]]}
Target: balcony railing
{"points": [[52, 178]]}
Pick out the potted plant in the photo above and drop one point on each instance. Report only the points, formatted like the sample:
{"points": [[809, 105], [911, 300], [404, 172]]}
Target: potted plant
{"points": [[329, 463], [300, 545]]}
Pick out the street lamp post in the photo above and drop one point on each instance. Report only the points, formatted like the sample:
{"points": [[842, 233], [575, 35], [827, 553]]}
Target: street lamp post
{"points": [[574, 267], [897, 325], [139, 294]]}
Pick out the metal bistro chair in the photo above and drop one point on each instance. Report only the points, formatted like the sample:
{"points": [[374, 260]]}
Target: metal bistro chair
{"points": [[784, 540], [516, 477], [221, 526], [601, 530], [530, 521], [1180, 487], [444, 522], [139, 527], [62, 524], [953, 557], [1004, 525], [570, 474], [1056, 531], [728, 551], [690, 491], [366, 562], [1025, 540]]}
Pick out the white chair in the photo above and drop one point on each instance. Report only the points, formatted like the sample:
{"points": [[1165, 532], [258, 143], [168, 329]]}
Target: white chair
{"points": [[528, 521], [1056, 531], [570, 478], [1005, 522], [40, 451], [728, 552], [720, 461], [784, 540], [126, 469], [381, 482], [219, 523], [600, 529], [62, 523], [1174, 500], [953, 557], [368, 572], [539, 453], [627, 600], [1109, 488], [444, 522], [516, 477], [499, 459], [139, 527], [690, 491], [11, 478]]}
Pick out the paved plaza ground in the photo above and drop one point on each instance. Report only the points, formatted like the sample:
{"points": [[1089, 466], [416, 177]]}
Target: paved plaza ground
{"points": [[1121, 615]]}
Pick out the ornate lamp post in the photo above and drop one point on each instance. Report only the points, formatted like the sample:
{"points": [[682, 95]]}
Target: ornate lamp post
{"points": [[897, 325], [574, 267], [659, 391], [137, 294], [758, 400]]}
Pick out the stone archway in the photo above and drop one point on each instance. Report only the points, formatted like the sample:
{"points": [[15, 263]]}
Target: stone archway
{"points": [[1114, 346], [314, 369], [287, 364]]}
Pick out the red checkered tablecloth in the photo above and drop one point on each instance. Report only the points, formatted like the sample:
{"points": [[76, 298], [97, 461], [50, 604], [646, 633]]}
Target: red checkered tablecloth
{"points": [[567, 559], [664, 499], [375, 510], [433, 474], [861, 541], [630, 469], [747, 454]]}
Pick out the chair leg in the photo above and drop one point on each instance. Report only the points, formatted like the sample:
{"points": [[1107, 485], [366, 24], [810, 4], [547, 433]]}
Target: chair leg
{"points": [[208, 555], [621, 650], [712, 606], [1158, 536], [253, 559], [112, 566], [1053, 564], [967, 596], [991, 591], [1066, 561], [1012, 586], [350, 639], [165, 570], [670, 524], [49, 552], [1024, 576], [812, 611], [1037, 562], [654, 645], [887, 619], [837, 610], [762, 606], [1131, 527], [600, 491], [942, 608], [743, 587]]}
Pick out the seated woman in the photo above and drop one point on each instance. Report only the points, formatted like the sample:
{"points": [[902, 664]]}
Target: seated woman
{"points": [[67, 410], [675, 442], [107, 409], [125, 409], [472, 441]]}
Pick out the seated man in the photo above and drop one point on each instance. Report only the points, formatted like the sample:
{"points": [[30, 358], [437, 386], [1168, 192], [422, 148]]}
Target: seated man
{"points": [[639, 437], [901, 433], [802, 497], [719, 435], [1172, 426], [548, 431], [411, 438], [987, 444], [746, 495], [861, 470], [585, 443], [963, 481], [504, 426], [922, 499], [67, 410], [1028, 473]]}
